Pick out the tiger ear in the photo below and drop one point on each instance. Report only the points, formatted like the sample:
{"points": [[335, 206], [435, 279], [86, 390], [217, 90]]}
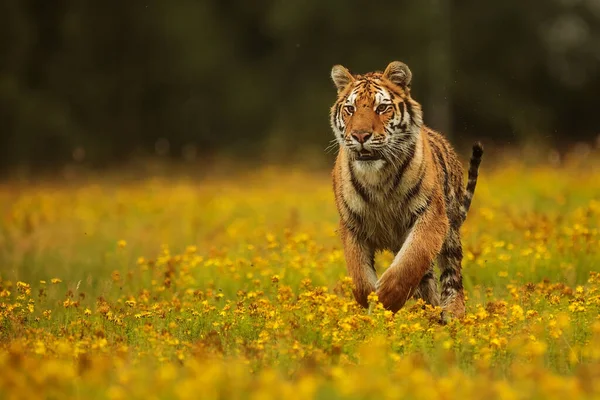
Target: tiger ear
{"points": [[341, 77], [398, 73]]}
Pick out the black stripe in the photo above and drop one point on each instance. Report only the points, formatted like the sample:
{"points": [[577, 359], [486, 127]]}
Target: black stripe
{"points": [[409, 110], [454, 253], [402, 111], [437, 151], [421, 209], [451, 277], [418, 212], [428, 275], [442, 163], [354, 220], [360, 189], [471, 186], [474, 169], [413, 191], [403, 166], [473, 174], [396, 110], [445, 273], [475, 161], [339, 119]]}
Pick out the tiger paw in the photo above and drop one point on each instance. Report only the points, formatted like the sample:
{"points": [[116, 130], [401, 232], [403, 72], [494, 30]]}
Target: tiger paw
{"points": [[390, 293], [361, 294], [455, 311]]}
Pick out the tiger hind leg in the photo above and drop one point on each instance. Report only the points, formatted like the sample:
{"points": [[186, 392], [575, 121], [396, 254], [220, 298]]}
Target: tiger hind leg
{"points": [[450, 260], [428, 289]]}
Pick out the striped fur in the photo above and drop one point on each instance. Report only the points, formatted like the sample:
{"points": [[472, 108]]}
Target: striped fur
{"points": [[399, 186], [473, 174]]}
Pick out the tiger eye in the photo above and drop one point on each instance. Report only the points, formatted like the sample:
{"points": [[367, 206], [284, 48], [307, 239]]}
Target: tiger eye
{"points": [[382, 108]]}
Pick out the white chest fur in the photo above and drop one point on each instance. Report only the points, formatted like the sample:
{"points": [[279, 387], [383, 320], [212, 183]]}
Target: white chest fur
{"points": [[369, 172]]}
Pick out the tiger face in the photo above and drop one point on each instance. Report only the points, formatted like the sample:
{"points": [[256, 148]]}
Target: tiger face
{"points": [[374, 116]]}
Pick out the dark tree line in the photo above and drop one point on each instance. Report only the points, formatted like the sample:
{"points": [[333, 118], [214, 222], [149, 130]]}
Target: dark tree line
{"points": [[115, 77]]}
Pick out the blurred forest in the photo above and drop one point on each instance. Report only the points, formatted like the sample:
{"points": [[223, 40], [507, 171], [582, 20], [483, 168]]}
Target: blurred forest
{"points": [[102, 82]]}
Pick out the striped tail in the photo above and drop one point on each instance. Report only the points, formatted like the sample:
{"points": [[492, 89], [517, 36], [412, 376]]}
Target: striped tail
{"points": [[472, 182]]}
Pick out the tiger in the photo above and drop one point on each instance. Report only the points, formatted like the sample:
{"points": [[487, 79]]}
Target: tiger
{"points": [[398, 186]]}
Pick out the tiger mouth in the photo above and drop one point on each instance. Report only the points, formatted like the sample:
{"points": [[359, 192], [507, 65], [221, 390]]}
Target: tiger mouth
{"points": [[365, 155]]}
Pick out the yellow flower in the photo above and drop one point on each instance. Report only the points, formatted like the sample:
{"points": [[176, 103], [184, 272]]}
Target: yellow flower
{"points": [[24, 288], [517, 312], [536, 348], [40, 348]]}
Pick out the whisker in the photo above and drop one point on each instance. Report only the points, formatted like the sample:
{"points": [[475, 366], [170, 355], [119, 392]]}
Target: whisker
{"points": [[332, 144]]}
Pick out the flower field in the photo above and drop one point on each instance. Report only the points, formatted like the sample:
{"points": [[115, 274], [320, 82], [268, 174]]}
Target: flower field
{"points": [[235, 287]]}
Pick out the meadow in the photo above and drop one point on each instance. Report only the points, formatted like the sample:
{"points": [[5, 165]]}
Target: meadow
{"points": [[234, 286]]}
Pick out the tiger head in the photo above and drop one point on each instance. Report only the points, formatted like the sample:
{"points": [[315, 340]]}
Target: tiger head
{"points": [[375, 117]]}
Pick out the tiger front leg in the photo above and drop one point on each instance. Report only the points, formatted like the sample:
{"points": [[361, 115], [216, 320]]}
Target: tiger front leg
{"points": [[360, 264], [423, 243]]}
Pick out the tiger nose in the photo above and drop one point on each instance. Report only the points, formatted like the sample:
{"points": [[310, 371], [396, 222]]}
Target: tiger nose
{"points": [[361, 137]]}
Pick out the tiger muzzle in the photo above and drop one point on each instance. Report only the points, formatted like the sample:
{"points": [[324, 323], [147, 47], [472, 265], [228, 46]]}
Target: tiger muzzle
{"points": [[360, 145]]}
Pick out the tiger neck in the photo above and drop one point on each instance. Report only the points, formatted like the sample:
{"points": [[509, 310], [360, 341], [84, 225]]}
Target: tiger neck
{"points": [[369, 173]]}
